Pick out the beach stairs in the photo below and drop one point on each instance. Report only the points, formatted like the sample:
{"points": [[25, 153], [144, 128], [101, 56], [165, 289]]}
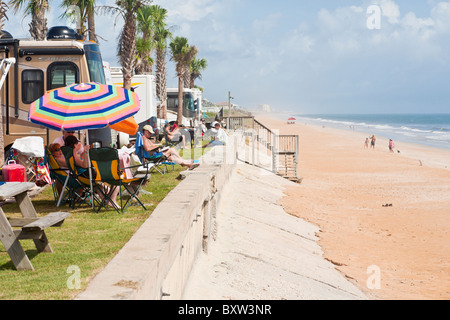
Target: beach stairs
{"points": [[286, 166], [260, 146]]}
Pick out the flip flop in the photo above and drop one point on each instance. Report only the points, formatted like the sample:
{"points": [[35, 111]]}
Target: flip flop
{"points": [[196, 165]]}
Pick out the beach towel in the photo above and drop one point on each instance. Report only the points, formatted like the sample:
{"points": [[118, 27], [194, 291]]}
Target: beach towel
{"points": [[139, 146]]}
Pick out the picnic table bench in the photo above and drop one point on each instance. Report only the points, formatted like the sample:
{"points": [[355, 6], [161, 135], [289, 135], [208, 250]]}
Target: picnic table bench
{"points": [[32, 227]]}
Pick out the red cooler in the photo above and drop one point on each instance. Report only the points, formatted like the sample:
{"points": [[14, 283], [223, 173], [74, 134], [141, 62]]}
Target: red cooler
{"points": [[14, 172]]}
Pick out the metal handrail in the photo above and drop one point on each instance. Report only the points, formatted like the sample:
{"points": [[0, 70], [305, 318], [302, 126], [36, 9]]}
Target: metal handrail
{"points": [[276, 145]]}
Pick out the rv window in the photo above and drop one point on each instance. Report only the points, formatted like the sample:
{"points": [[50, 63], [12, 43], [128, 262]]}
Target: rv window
{"points": [[172, 103], [61, 74], [95, 63], [32, 85]]}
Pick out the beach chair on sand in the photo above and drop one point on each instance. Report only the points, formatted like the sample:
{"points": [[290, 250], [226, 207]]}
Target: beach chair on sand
{"points": [[107, 165]]}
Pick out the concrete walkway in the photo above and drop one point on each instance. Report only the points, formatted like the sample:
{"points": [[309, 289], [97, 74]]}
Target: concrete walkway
{"points": [[261, 252]]}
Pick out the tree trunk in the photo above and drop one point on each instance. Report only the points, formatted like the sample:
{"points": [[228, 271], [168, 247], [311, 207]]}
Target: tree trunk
{"points": [[127, 50], [187, 79], [38, 25], [161, 85], [180, 99], [91, 27]]}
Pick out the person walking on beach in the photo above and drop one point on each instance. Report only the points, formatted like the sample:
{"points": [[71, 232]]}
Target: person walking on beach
{"points": [[366, 143], [372, 141], [391, 145]]}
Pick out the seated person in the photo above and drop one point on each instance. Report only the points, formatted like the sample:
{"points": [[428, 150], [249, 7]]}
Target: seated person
{"points": [[55, 150], [80, 155], [203, 126], [199, 132], [153, 150], [174, 134], [219, 134], [60, 140]]}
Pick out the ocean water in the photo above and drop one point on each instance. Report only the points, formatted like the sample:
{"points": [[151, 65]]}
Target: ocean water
{"points": [[426, 129]]}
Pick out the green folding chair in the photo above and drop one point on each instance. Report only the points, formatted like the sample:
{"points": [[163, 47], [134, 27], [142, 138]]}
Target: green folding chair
{"points": [[107, 165], [69, 187], [84, 188]]}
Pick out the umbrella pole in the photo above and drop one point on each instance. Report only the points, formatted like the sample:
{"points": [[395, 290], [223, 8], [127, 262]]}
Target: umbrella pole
{"points": [[90, 170]]}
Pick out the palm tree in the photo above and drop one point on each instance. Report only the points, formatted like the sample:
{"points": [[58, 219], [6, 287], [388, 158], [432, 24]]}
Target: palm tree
{"points": [[91, 21], [128, 9], [145, 42], [197, 66], [37, 10], [3, 16], [144, 61], [160, 36], [182, 54]]}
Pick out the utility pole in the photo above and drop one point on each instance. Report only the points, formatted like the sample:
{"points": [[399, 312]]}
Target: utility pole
{"points": [[229, 103], [229, 108]]}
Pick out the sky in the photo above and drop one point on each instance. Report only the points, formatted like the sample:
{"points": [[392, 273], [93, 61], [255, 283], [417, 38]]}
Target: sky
{"points": [[305, 56]]}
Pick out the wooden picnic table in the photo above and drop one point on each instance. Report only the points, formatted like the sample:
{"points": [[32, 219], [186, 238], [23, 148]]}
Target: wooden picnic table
{"points": [[32, 227]]}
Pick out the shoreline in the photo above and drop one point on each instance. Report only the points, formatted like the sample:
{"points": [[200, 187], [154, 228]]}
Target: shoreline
{"points": [[379, 129], [429, 155], [374, 208]]}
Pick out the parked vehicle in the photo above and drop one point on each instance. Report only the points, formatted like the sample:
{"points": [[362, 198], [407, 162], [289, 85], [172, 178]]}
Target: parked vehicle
{"points": [[60, 60]]}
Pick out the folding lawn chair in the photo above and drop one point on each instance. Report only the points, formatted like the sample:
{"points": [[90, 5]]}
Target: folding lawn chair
{"points": [[28, 151], [58, 175], [69, 187], [169, 142], [84, 190], [107, 165], [156, 160], [168, 164]]}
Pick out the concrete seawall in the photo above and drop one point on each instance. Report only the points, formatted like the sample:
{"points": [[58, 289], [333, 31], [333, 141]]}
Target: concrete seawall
{"points": [[156, 262], [260, 251], [220, 234]]}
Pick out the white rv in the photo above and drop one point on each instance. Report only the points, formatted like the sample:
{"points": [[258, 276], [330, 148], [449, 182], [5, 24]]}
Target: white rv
{"points": [[192, 100], [145, 88]]}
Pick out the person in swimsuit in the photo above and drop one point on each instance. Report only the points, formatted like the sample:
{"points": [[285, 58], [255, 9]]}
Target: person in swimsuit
{"points": [[171, 154], [391, 145], [80, 155]]}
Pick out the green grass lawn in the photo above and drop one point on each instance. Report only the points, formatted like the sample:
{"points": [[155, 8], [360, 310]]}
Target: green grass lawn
{"points": [[83, 245]]}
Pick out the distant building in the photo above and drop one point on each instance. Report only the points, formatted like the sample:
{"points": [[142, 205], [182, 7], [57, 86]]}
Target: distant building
{"points": [[265, 108]]}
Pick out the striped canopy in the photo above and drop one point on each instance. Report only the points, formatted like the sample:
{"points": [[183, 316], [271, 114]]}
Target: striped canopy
{"points": [[84, 106]]}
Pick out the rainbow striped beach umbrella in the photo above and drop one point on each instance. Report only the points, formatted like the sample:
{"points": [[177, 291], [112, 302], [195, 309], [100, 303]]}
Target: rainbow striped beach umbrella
{"points": [[84, 106]]}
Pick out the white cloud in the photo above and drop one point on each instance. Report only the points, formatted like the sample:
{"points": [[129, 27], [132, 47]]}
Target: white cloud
{"points": [[260, 51], [189, 10], [267, 23], [390, 10]]}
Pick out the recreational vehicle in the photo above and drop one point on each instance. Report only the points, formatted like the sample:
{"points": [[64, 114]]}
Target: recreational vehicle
{"points": [[60, 60], [145, 87], [190, 105]]}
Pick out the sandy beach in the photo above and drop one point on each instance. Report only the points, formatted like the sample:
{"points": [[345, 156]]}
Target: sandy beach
{"points": [[383, 217]]}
